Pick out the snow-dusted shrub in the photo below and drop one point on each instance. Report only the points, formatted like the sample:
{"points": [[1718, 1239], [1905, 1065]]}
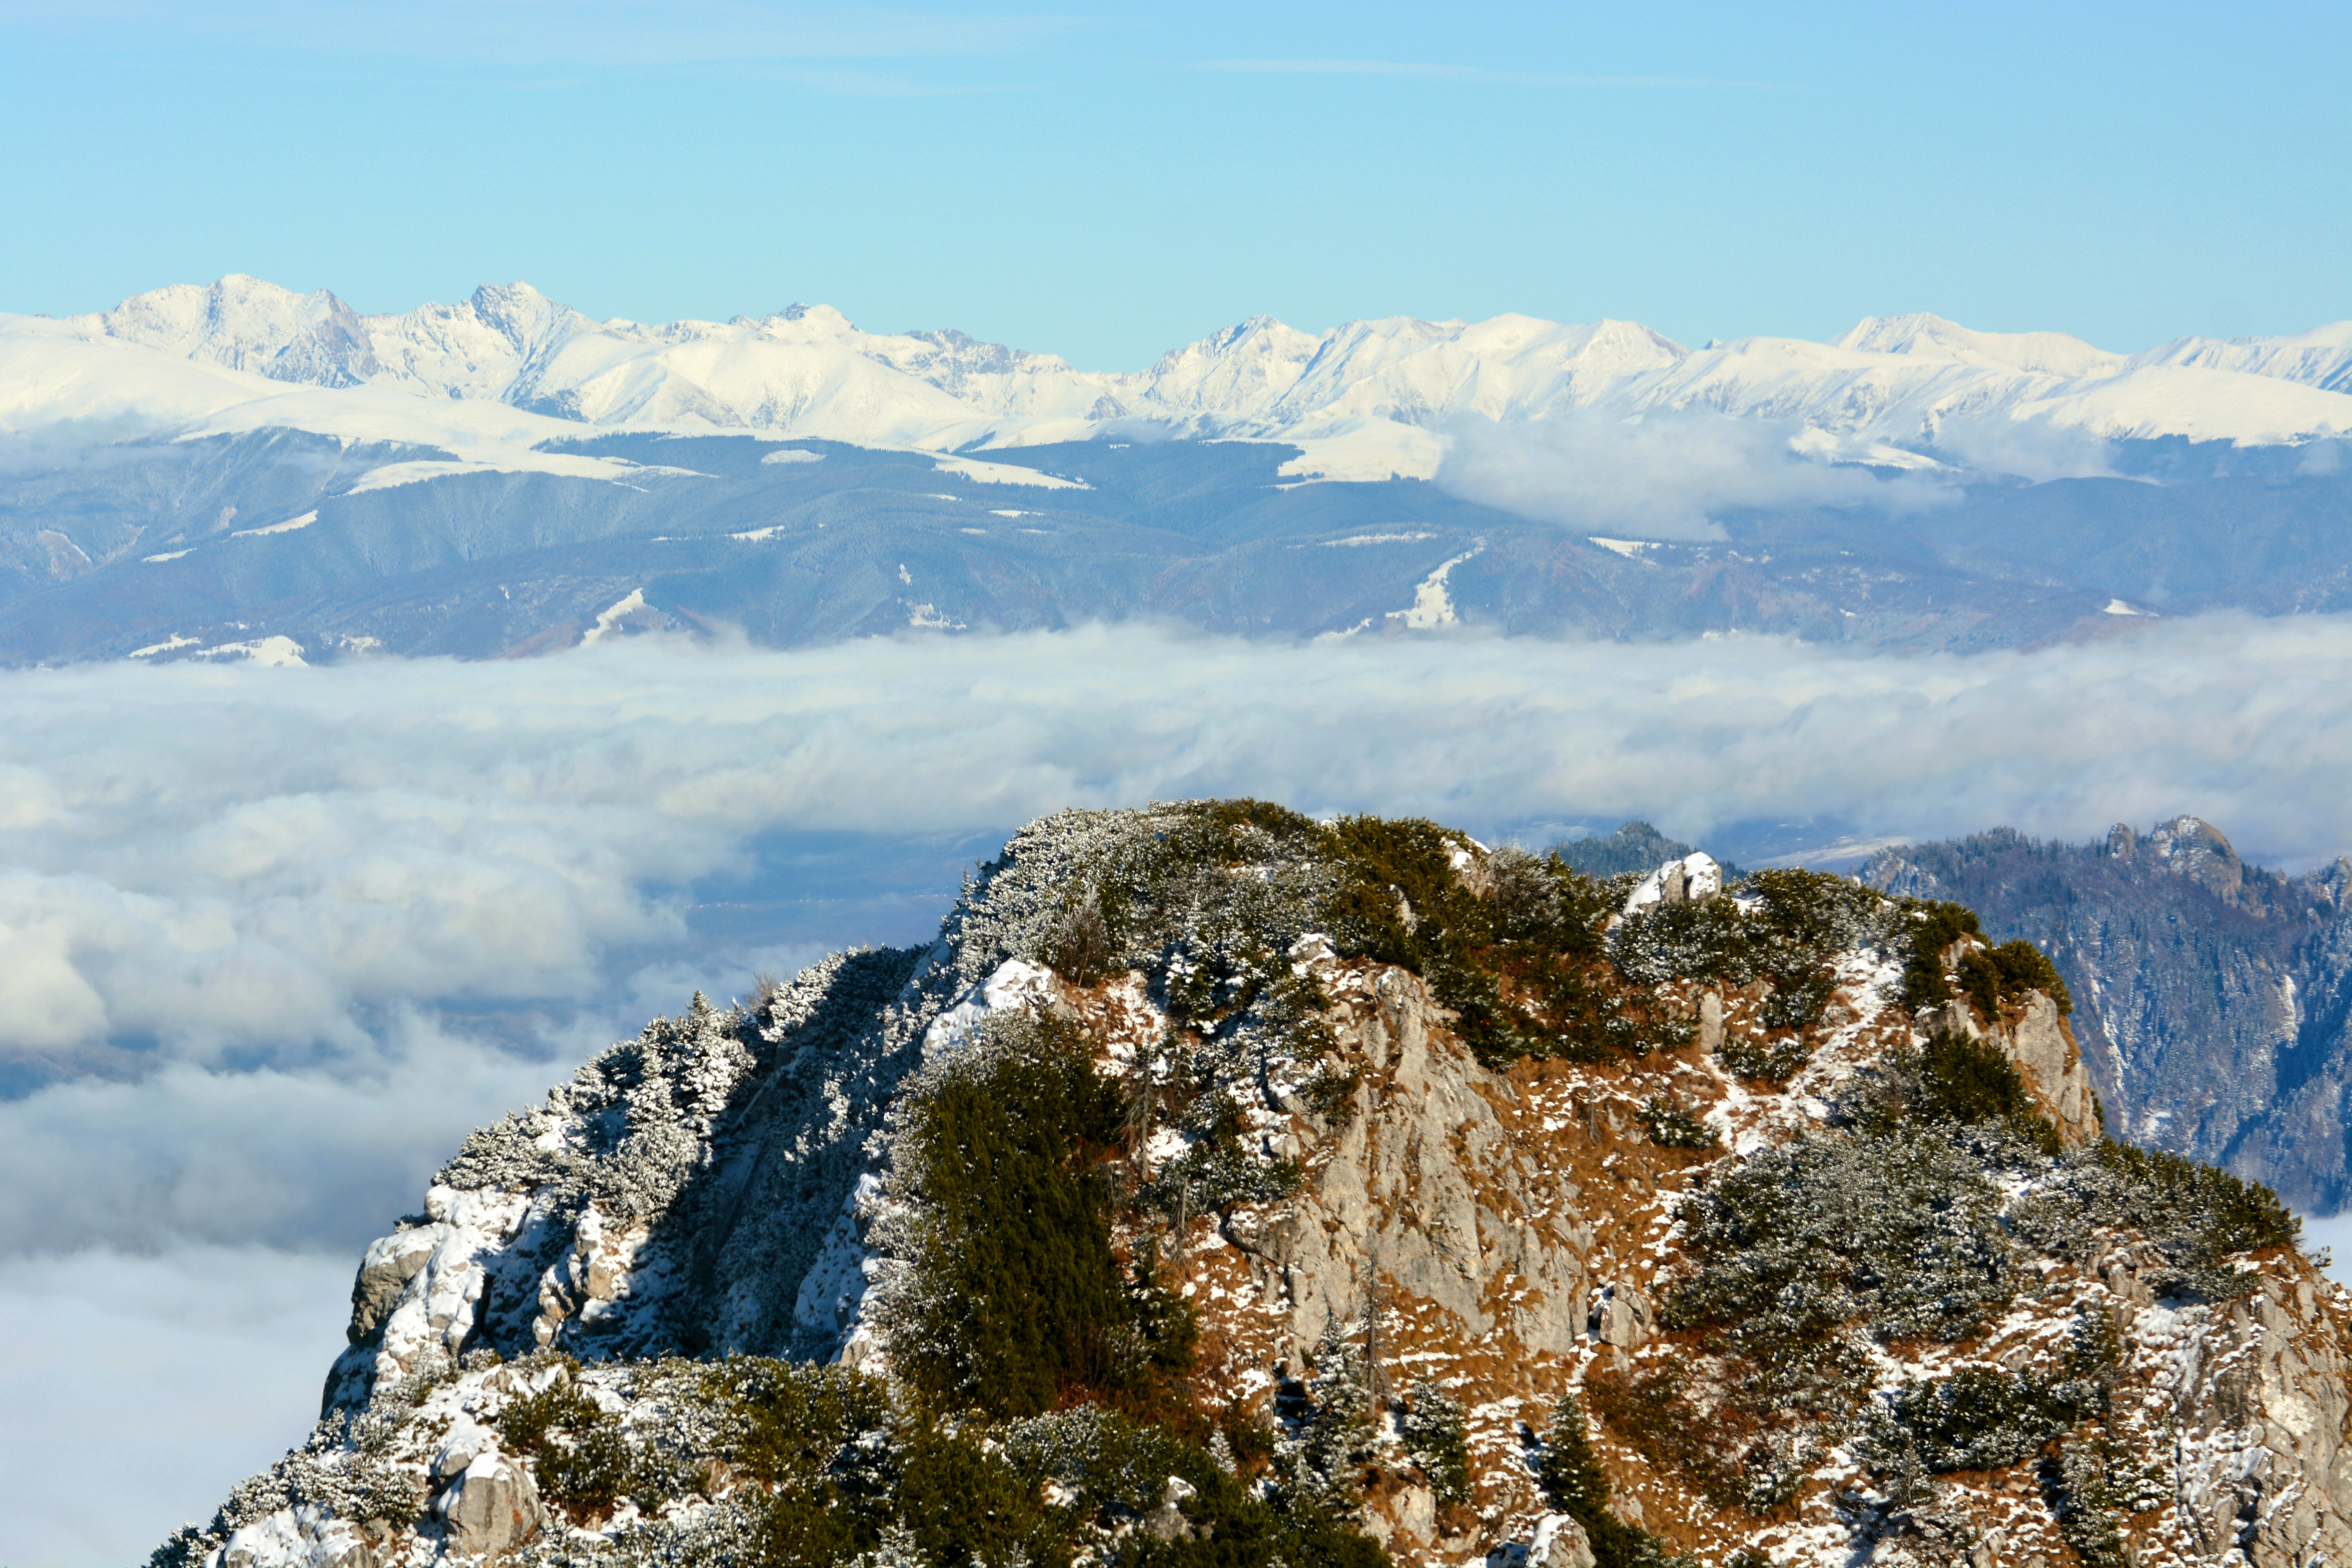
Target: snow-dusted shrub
{"points": [[327, 1473], [1705, 941], [2197, 1219], [2097, 1490], [1772, 1469], [1772, 1059], [1951, 1081], [1236, 881], [1325, 1459], [1217, 1172], [1929, 931], [790, 1423], [1009, 1297], [1118, 1466], [1900, 1236], [1672, 1127], [1978, 1418], [1570, 1475], [1330, 1093], [633, 1126], [584, 1464], [1780, 926], [2003, 974]]}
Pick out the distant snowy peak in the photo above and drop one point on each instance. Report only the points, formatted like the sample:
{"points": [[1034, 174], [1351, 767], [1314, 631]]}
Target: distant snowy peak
{"points": [[246, 323], [1366, 399], [1925, 337], [2321, 357]]}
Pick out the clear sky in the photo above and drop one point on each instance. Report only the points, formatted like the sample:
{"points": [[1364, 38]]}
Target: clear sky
{"points": [[1105, 182]]}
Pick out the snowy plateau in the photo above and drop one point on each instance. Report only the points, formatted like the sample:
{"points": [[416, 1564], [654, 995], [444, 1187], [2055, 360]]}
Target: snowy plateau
{"points": [[1457, 1208], [494, 476]]}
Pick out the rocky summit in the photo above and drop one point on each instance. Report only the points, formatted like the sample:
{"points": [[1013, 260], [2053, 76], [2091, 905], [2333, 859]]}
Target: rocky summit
{"points": [[1228, 1188]]}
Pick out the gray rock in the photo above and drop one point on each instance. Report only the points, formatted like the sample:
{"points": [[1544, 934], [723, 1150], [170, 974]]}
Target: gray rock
{"points": [[2262, 1396], [492, 1507]]}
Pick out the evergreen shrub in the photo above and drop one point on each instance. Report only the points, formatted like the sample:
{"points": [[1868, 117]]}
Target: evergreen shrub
{"points": [[1438, 1439], [1021, 1304]]}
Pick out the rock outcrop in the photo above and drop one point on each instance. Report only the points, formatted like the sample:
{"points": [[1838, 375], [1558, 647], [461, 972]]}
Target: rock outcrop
{"points": [[1504, 1226]]}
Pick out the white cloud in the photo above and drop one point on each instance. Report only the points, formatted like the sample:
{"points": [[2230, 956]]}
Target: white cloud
{"points": [[2033, 449], [1660, 476], [216, 865], [243, 867]]}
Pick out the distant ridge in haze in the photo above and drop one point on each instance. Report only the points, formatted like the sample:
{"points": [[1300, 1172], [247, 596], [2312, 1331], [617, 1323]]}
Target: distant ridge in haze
{"points": [[2214, 999]]}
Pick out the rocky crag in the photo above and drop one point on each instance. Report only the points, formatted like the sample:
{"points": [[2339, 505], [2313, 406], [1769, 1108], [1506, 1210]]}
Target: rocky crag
{"points": [[2215, 997], [1227, 1188]]}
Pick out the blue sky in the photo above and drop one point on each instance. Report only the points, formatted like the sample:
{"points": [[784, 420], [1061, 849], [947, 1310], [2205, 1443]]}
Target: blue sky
{"points": [[1107, 182]]}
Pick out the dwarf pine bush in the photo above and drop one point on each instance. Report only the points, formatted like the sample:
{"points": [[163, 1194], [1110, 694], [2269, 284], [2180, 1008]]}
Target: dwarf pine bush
{"points": [[2197, 1219], [1011, 1299], [584, 1464], [1930, 929], [1672, 1127], [1902, 1237], [1951, 1081], [1978, 1418]]}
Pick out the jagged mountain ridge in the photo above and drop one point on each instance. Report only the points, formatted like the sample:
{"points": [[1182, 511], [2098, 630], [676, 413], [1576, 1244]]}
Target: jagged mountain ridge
{"points": [[238, 470], [2215, 997], [1361, 398], [1372, 1164]]}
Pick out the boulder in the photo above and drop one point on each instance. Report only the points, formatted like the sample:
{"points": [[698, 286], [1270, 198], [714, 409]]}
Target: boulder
{"points": [[492, 1507]]}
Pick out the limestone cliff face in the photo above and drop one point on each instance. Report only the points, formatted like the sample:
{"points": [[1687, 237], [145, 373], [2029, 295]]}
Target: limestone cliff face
{"points": [[2034, 1033], [1511, 1229], [2263, 1392]]}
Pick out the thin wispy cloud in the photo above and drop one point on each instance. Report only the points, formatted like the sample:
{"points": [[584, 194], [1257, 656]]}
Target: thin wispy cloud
{"points": [[1443, 71]]}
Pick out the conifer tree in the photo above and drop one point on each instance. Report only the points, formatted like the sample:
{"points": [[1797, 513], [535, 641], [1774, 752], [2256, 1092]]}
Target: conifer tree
{"points": [[1574, 1483], [1569, 1472], [1439, 1440], [1337, 1435]]}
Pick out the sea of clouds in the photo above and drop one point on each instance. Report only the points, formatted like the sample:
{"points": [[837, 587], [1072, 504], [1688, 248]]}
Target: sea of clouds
{"points": [[271, 939]]}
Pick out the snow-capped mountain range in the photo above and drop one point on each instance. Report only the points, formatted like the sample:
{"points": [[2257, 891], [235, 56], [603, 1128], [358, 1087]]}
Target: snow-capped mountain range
{"points": [[494, 377]]}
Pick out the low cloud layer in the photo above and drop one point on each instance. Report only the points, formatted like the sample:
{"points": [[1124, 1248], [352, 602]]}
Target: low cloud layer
{"points": [[271, 940], [2030, 449], [1660, 476], [241, 868], [139, 1390]]}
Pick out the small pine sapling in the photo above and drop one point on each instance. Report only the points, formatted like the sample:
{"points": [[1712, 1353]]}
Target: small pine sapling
{"points": [[1438, 1439]]}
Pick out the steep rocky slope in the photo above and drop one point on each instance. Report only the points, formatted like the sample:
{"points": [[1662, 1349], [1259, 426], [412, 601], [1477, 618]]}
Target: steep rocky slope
{"points": [[2216, 996], [1228, 1188]]}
